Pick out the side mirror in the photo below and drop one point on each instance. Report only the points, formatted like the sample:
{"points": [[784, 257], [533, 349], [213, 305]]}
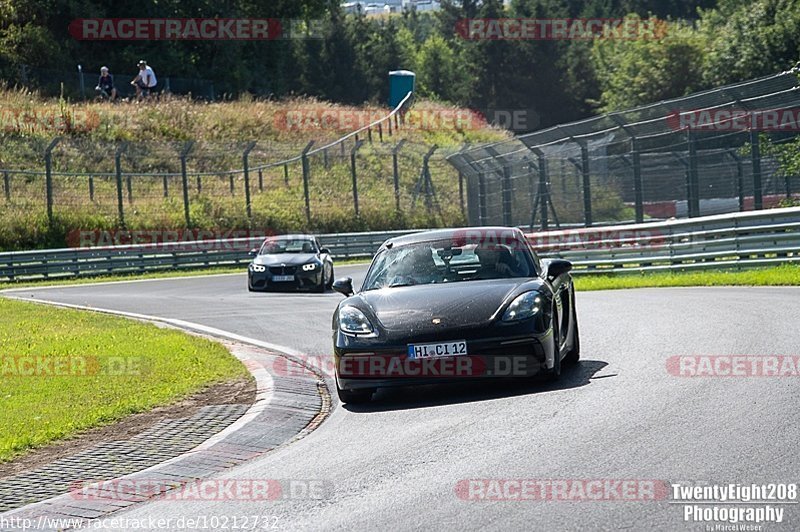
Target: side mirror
{"points": [[344, 286], [325, 251], [556, 267], [253, 252]]}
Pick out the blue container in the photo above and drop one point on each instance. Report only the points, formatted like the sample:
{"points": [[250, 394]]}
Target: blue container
{"points": [[401, 82]]}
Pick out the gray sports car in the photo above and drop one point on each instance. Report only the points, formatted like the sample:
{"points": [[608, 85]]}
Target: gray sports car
{"points": [[290, 262]]}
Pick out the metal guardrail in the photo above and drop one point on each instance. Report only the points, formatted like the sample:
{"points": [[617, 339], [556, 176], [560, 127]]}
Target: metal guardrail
{"points": [[729, 241], [732, 241]]}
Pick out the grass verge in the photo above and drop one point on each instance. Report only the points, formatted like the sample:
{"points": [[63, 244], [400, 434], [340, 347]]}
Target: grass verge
{"points": [[64, 371], [784, 275]]}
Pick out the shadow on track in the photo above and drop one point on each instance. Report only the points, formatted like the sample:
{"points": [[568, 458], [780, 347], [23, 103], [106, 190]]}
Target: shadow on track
{"points": [[410, 397]]}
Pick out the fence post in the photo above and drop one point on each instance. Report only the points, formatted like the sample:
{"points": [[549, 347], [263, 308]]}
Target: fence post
{"points": [[461, 199], [739, 178], [82, 82], [48, 173], [481, 198], [637, 180], [286, 174], [91, 187], [306, 171], [7, 185], [354, 174], [199, 183], [246, 170], [506, 186], [118, 171], [261, 180], [543, 192], [694, 184], [129, 186], [587, 184], [185, 181], [755, 154], [396, 173], [232, 185], [380, 132], [165, 181]]}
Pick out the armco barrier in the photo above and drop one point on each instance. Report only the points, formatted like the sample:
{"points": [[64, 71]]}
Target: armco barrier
{"points": [[733, 241]]}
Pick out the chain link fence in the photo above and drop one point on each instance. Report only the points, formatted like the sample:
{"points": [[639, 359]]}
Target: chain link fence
{"points": [[370, 179], [691, 156], [79, 84]]}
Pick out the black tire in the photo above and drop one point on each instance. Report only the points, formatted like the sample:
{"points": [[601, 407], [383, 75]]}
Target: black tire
{"points": [[554, 373], [329, 286], [574, 355], [354, 397]]}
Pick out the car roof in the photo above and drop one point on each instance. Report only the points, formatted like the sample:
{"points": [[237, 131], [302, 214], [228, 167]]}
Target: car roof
{"points": [[445, 234]]}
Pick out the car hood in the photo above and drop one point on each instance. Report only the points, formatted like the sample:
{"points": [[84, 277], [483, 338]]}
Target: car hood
{"points": [[458, 305], [289, 259]]}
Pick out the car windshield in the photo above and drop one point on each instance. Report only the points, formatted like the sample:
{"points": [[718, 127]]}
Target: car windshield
{"points": [[442, 262], [287, 245]]}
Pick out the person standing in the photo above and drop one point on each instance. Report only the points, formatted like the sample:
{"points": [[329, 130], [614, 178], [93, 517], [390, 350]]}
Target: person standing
{"points": [[145, 80]]}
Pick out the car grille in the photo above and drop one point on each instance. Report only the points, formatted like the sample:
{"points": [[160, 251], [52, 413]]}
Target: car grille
{"points": [[282, 270]]}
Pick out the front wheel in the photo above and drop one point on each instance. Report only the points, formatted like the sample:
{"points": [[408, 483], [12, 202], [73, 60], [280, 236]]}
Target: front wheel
{"points": [[330, 280], [554, 373], [574, 354]]}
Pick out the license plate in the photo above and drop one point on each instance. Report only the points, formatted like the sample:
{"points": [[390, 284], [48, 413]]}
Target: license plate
{"points": [[448, 349], [282, 278]]}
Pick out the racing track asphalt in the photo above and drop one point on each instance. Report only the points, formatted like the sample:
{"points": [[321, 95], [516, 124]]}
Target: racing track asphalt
{"points": [[394, 464]]}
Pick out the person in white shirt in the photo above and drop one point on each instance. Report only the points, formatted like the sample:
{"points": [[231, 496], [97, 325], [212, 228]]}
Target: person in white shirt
{"points": [[145, 80]]}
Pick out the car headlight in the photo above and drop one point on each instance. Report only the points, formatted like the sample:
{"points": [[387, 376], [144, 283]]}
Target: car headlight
{"points": [[353, 321], [310, 267], [258, 268], [524, 306]]}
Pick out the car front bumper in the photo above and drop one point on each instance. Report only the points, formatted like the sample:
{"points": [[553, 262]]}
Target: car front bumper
{"points": [[503, 357], [301, 280]]}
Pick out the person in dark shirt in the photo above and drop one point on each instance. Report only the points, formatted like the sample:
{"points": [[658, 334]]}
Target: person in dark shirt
{"points": [[105, 85]]}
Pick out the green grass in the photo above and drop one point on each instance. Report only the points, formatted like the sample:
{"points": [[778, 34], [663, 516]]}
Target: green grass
{"points": [[122, 367], [785, 275]]}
